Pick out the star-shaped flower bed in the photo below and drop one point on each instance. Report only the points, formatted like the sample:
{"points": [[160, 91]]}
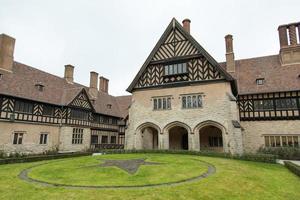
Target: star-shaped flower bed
{"points": [[130, 166]]}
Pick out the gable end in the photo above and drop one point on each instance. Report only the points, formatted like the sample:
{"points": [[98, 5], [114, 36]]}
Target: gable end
{"points": [[178, 46]]}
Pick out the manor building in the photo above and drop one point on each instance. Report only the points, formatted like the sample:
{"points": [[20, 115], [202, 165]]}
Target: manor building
{"points": [[41, 112], [182, 98]]}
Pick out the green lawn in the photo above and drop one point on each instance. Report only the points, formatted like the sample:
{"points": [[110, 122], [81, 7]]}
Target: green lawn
{"points": [[170, 168], [233, 179]]}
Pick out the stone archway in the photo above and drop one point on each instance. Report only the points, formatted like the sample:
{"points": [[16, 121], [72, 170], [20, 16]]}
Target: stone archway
{"points": [[178, 135], [211, 136], [148, 136], [178, 138]]}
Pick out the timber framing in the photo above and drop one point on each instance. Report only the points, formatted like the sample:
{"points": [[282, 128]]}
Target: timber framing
{"points": [[60, 115], [248, 112], [177, 45]]}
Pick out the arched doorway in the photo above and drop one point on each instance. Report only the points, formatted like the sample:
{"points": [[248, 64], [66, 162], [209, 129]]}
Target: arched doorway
{"points": [[211, 139], [149, 138], [178, 138]]}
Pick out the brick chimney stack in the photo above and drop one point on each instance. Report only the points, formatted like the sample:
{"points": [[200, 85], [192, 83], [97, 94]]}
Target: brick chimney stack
{"points": [[230, 63], [69, 73], [186, 25], [289, 46], [93, 90], [7, 46], [103, 85]]}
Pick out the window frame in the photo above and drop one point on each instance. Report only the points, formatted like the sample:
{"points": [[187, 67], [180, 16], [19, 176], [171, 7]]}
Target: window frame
{"points": [[48, 108], [77, 136], [281, 140], [192, 101], [282, 103], [102, 137], [115, 138], [79, 114], [24, 107], [44, 138], [260, 81], [263, 105], [17, 137], [94, 137], [160, 103], [174, 69]]}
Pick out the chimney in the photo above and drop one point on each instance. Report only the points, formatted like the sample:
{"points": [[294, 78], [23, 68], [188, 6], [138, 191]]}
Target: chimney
{"points": [[289, 46], [69, 72], [230, 63], [282, 36], [103, 85], [93, 84], [7, 46], [186, 25]]}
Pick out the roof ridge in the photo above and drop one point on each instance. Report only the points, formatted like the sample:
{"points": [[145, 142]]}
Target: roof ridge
{"points": [[48, 73]]}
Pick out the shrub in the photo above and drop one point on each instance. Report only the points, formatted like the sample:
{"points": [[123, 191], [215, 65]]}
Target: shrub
{"points": [[52, 151], [268, 158], [293, 167], [33, 158], [290, 153], [2, 154]]}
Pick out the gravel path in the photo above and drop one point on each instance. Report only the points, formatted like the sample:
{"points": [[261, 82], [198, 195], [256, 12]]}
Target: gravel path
{"points": [[24, 176]]}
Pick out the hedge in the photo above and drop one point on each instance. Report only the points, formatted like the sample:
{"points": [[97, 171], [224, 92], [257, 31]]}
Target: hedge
{"points": [[288, 153], [268, 158], [293, 167], [41, 157]]}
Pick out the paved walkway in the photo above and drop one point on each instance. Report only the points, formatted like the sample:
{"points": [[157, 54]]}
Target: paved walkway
{"points": [[297, 162]]}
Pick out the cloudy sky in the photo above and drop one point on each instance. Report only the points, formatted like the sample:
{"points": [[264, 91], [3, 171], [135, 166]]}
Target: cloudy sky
{"points": [[114, 37]]}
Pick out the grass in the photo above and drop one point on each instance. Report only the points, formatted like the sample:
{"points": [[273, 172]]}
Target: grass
{"points": [[172, 168], [234, 179]]}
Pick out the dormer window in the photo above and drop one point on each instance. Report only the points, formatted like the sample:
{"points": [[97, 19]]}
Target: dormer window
{"points": [[260, 81], [39, 87], [1, 76], [180, 68], [108, 106]]}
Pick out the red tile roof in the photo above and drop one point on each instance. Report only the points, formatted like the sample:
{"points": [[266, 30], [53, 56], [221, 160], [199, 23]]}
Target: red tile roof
{"points": [[21, 83], [276, 77]]}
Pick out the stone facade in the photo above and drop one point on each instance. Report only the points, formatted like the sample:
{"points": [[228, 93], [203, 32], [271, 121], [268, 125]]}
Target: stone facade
{"points": [[254, 132], [31, 138], [59, 138], [65, 139], [218, 110]]}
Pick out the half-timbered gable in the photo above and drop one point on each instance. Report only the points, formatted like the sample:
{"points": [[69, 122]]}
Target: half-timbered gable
{"points": [[82, 101], [177, 59], [175, 44]]}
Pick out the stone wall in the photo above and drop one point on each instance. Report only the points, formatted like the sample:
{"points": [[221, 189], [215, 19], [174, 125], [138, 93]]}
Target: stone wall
{"points": [[58, 137], [254, 131], [218, 108], [65, 139], [31, 138]]}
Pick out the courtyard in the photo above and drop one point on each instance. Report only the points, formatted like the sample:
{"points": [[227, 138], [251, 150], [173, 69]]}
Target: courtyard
{"points": [[147, 176]]}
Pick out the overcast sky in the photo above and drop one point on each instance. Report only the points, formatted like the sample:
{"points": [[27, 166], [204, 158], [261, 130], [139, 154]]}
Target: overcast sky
{"points": [[114, 37]]}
